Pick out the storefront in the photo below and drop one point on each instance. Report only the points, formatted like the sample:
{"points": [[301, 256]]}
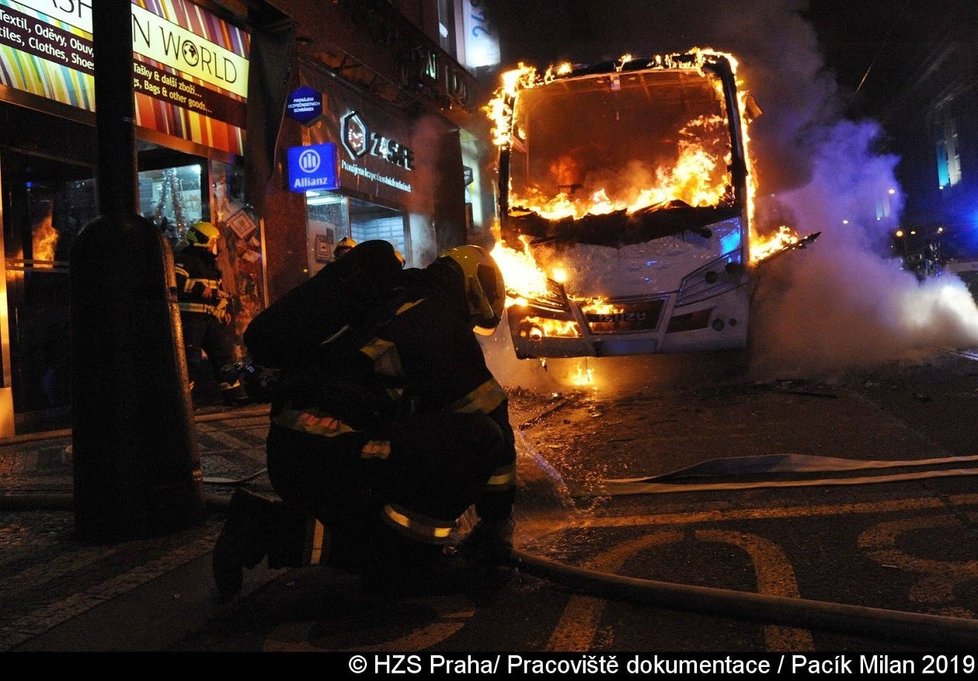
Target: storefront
{"points": [[190, 73], [388, 116], [389, 113], [357, 167]]}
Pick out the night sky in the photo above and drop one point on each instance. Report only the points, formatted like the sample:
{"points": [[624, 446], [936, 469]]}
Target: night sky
{"points": [[807, 63], [865, 44]]}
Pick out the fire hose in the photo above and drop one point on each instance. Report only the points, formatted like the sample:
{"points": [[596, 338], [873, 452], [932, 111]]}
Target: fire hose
{"points": [[878, 623]]}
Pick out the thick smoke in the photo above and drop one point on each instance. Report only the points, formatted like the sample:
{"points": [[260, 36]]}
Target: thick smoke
{"points": [[844, 302]]}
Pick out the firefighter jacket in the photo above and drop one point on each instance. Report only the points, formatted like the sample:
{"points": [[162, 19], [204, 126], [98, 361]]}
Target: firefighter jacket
{"points": [[423, 358], [199, 286], [422, 363]]}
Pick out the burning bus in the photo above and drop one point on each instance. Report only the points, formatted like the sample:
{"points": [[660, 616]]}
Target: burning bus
{"points": [[624, 206]]}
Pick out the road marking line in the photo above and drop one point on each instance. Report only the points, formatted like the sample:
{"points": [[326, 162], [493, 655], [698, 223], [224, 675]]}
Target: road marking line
{"points": [[775, 576], [577, 625], [937, 578]]}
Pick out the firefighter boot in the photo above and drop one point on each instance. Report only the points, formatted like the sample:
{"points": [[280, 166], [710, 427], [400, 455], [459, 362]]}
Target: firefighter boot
{"points": [[401, 567], [233, 394], [243, 541], [490, 543]]}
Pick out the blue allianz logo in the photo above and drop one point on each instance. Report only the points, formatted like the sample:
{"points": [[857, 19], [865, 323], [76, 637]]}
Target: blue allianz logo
{"points": [[312, 167], [309, 160]]}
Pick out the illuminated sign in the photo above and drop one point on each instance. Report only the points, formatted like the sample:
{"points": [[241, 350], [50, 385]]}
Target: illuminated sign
{"points": [[481, 42], [312, 167], [174, 46], [190, 68], [304, 105], [358, 141]]}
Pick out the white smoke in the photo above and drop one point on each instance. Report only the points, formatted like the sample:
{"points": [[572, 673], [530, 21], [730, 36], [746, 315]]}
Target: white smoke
{"points": [[841, 305]]}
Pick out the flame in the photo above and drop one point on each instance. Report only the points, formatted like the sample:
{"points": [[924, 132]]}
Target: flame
{"points": [[599, 306], [523, 277], [761, 248], [540, 327], [689, 180], [44, 241], [584, 375], [526, 279], [696, 178]]}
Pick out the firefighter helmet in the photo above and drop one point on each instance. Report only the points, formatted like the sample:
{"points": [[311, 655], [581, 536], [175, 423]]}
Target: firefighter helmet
{"points": [[484, 287], [204, 235], [344, 246]]}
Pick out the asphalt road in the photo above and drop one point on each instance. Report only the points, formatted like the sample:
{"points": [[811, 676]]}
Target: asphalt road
{"points": [[675, 507], [848, 506]]}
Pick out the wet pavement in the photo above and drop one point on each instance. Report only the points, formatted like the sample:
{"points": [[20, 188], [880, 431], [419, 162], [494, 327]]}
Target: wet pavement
{"points": [[904, 545], [153, 594]]}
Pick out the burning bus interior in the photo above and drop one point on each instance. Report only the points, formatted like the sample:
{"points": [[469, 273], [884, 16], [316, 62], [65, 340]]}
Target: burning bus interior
{"points": [[616, 143]]}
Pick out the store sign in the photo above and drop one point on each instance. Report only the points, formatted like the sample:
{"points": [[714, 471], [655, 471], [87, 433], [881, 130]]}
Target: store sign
{"points": [[190, 68], [481, 41], [170, 44], [304, 105], [312, 167], [358, 141]]}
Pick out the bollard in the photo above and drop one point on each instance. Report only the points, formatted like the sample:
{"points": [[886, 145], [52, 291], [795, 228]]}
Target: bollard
{"points": [[136, 464]]}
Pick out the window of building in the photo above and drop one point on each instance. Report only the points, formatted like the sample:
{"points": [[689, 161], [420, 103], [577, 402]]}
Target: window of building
{"points": [[331, 216], [446, 25], [948, 158]]}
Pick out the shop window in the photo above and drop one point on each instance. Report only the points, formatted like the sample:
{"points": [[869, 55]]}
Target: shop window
{"points": [[370, 221], [174, 198], [46, 205], [331, 216], [446, 25], [948, 157]]}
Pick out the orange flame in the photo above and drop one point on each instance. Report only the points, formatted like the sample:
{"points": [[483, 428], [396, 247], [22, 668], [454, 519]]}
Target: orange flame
{"points": [[520, 272], [765, 247], [584, 375], [599, 306], [44, 241], [539, 327]]}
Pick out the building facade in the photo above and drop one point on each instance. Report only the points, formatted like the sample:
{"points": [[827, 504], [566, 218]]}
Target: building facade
{"points": [[286, 124], [926, 98]]}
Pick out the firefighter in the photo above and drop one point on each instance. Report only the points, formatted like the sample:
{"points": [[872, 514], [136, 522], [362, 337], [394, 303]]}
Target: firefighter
{"points": [[344, 246], [399, 431], [204, 313]]}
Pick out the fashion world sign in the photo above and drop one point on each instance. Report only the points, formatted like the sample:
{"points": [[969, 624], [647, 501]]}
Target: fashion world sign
{"points": [[190, 69]]}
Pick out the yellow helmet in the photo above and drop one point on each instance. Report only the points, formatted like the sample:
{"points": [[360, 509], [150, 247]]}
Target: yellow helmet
{"points": [[485, 290], [344, 246], [204, 235]]}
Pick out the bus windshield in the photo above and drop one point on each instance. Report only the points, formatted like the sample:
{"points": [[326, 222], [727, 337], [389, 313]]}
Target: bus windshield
{"points": [[623, 207], [620, 142]]}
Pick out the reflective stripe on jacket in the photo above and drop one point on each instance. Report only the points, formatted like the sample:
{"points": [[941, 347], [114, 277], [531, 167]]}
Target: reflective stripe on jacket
{"points": [[311, 421], [483, 399]]}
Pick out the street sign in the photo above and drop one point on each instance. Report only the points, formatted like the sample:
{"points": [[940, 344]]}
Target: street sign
{"points": [[304, 105]]}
